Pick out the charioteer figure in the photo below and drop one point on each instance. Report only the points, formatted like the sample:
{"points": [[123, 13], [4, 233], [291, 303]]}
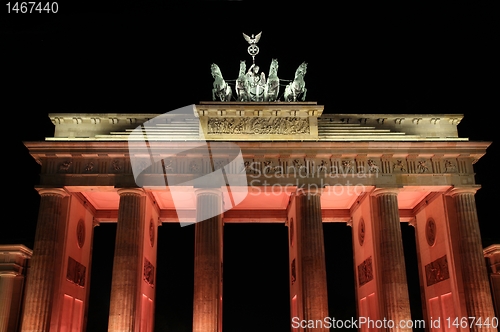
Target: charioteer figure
{"points": [[257, 83]]}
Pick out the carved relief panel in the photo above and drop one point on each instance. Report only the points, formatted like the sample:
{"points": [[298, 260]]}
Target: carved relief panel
{"points": [[430, 232], [437, 271], [149, 272], [152, 232], [293, 272], [258, 126], [361, 232], [297, 165], [365, 271], [80, 233], [75, 272]]}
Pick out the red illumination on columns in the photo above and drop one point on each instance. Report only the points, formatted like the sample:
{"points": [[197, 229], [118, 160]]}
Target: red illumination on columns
{"points": [[474, 274], [127, 262], [207, 302], [311, 255], [41, 275], [396, 302]]}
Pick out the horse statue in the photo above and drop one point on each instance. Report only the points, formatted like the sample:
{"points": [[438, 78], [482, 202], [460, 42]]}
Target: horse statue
{"points": [[273, 83], [297, 88], [221, 88], [242, 85]]}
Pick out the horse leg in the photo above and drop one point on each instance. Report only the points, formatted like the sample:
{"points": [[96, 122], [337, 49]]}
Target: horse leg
{"points": [[304, 95], [238, 91], [286, 95]]}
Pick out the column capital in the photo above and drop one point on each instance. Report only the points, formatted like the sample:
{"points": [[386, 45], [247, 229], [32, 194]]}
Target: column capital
{"points": [[385, 191], [12, 274], [16, 249], [463, 190], [492, 250], [316, 191], [130, 191], [492, 255], [52, 191], [208, 191]]}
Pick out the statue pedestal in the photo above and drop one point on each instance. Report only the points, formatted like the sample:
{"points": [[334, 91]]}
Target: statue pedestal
{"points": [[256, 121]]}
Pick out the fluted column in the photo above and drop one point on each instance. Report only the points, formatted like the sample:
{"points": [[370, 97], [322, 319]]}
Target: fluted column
{"points": [[474, 273], [492, 255], [126, 263], [311, 253], [7, 285], [396, 302], [14, 259], [40, 278], [207, 306]]}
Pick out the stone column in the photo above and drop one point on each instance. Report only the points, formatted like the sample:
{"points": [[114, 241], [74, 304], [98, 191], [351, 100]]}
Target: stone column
{"points": [[492, 255], [389, 245], [14, 259], [41, 274], [207, 306], [126, 263], [474, 274], [311, 253], [6, 293], [8, 311]]}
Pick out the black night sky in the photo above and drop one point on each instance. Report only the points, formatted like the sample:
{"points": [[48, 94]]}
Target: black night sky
{"points": [[143, 57]]}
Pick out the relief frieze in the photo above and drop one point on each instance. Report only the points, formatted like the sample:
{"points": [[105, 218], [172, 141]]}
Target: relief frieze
{"points": [[258, 125], [168, 165], [75, 272], [149, 273], [437, 271], [347, 166], [365, 271], [422, 167], [115, 165], [64, 166], [89, 167], [372, 166], [311, 165], [399, 166], [449, 167]]}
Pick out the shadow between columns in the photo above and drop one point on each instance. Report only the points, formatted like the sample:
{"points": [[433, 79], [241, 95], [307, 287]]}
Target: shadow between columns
{"points": [[256, 278], [412, 274], [339, 270]]}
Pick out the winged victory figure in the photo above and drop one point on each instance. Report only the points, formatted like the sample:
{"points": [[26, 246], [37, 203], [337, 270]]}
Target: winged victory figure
{"points": [[252, 40], [253, 49]]}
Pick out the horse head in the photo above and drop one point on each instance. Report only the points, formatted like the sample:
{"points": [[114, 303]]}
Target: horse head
{"points": [[215, 70], [243, 67], [273, 69], [301, 71]]}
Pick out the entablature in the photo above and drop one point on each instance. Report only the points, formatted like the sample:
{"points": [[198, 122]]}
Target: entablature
{"points": [[255, 121], [371, 163]]}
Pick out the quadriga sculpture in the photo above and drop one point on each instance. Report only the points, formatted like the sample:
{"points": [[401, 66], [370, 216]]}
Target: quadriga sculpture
{"points": [[297, 88], [220, 88]]}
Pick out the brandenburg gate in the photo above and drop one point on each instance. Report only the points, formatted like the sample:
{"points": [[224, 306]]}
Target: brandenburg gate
{"points": [[260, 160], [391, 168]]}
